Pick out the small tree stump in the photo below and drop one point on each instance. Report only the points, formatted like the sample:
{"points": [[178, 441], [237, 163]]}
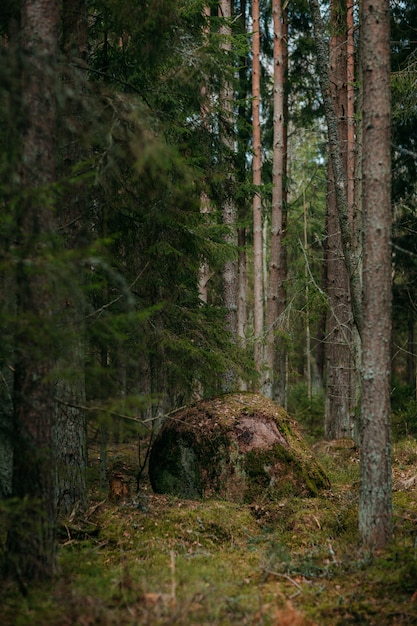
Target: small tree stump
{"points": [[119, 487]]}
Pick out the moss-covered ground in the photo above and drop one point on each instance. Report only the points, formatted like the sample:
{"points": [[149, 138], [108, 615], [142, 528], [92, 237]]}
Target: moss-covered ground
{"points": [[158, 560]]}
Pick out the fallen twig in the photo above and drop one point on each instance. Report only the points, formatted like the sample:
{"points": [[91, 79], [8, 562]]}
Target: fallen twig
{"points": [[286, 576]]}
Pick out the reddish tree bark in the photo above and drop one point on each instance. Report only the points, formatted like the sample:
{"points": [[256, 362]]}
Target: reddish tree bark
{"points": [[204, 271], [335, 152], [258, 310], [242, 232], [375, 507], [339, 343], [276, 355], [229, 210]]}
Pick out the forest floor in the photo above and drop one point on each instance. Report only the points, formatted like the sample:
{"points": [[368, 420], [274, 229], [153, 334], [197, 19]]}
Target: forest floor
{"points": [[157, 560]]}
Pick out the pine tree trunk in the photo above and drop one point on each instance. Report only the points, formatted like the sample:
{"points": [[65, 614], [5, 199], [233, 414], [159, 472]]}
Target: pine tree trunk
{"points": [[6, 431], [70, 423], [11, 59], [411, 345], [258, 311], [375, 514], [31, 539], [357, 227], [8, 304], [338, 170], [339, 342], [204, 271], [229, 210], [241, 158], [242, 296], [276, 355], [350, 106]]}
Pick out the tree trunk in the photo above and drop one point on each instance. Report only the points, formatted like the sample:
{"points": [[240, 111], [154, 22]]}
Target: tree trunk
{"points": [[241, 311], [6, 431], [411, 345], [229, 210], [9, 49], [339, 345], [276, 354], [258, 311], [242, 150], [204, 273], [70, 423], [348, 243], [350, 106], [357, 217], [31, 538], [8, 307], [375, 514], [204, 270]]}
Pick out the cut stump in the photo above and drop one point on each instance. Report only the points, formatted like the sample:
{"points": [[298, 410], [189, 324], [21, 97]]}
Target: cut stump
{"points": [[240, 447]]}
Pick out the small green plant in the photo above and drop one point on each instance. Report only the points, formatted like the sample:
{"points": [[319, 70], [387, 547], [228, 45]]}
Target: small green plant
{"points": [[308, 411]]}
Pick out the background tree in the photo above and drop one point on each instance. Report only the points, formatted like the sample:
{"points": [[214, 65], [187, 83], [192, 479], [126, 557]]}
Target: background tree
{"points": [[204, 275], [9, 101], [335, 152], [229, 209], [70, 428], [258, 296], [375, 523], [339, 406], [404, 166], [276, 357]]}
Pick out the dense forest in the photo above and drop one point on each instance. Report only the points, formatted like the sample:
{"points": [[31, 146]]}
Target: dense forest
{"points": [[197, 198]]}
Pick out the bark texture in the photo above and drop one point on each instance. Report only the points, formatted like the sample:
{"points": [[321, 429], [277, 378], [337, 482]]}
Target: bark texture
{"points": [[276, 358], [11, 59], [337, 165], [241, 164], [204, 271], [339, 342], [375, 515], [258, 311], [229, 210], [70, 420], [31, 538]]}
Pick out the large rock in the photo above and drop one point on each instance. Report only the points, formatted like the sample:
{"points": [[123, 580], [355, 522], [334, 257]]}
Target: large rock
{"points": [[240, 447]]}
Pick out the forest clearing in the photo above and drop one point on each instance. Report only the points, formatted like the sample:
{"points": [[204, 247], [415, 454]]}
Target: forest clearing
{"points": [[160, 560]]}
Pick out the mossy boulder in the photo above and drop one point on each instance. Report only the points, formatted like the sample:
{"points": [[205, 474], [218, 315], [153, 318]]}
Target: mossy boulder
{"points": [[240, 447]]}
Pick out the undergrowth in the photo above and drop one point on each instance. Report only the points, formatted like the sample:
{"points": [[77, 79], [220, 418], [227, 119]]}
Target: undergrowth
{"points": [[158, 560]]}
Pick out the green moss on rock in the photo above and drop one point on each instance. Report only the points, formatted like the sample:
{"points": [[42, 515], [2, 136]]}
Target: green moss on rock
{"points": [[240, 447]]}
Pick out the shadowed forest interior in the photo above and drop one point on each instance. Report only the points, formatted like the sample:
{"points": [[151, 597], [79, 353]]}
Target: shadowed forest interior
{"points": [[198, 200]]}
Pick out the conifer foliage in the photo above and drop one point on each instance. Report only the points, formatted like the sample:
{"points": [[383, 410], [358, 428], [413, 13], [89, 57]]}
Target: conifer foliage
{"points": [[102, 240], [129, 164]]}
